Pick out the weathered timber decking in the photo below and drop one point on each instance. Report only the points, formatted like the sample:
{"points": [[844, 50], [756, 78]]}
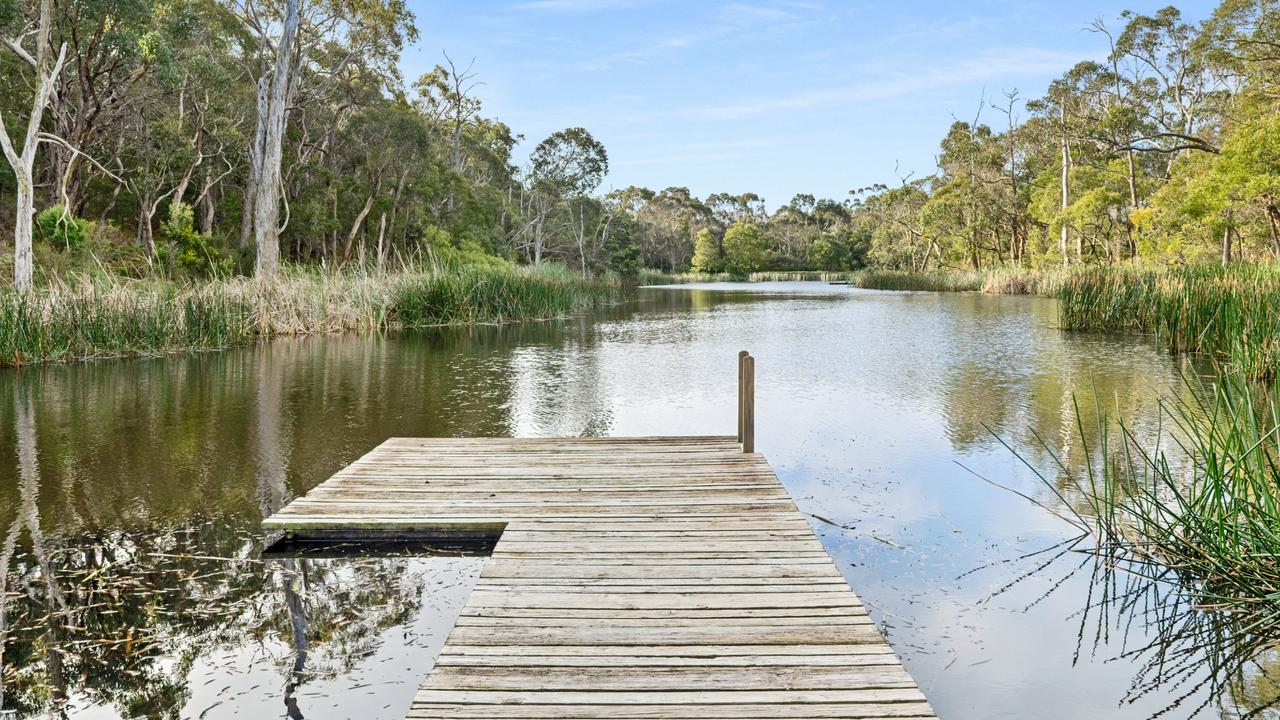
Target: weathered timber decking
{"points": [[634, 578]]}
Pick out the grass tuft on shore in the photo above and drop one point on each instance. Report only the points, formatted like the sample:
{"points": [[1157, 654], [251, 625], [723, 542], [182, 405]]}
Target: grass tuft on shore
{"points": [[92, 319]]}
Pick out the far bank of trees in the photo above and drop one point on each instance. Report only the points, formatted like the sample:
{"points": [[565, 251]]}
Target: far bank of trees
{"points": [[1167, 150], [192, 137]]}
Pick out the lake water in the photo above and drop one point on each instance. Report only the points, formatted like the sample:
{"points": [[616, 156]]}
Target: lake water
{"points": [[131, 492]]}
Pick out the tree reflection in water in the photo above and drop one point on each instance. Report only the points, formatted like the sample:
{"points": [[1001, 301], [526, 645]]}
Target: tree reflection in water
{"points": [[169, 617], [141, 611]]}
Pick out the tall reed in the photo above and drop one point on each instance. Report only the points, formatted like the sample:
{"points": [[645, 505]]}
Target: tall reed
{"points": [[1229, 314], [1203, 521], [91, 318], [940, 281], [656, 277]]}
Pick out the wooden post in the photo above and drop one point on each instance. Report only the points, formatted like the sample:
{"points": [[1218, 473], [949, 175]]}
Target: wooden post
{"points": [[742, 356], [748, 404]]}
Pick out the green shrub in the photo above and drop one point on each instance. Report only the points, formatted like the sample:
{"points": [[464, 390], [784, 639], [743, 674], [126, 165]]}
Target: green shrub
{"points": [[191, 251], [59, 228]]}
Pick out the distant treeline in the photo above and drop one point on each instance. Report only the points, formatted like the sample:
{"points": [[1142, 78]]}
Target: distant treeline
{"points": [[202, 137]]}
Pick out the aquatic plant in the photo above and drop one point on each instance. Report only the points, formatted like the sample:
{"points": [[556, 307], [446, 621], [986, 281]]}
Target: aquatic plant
{"points": [[1186, 539], [95, 318], [1230, 314], [940, 281]]}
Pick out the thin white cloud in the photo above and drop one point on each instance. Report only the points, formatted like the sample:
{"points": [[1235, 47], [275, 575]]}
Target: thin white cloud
{"points": [[729, 22], [737, 13], [882, 83], [573, 5]]}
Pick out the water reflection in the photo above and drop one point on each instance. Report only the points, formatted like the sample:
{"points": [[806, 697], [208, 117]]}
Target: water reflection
{"points": [[171, 614], [130, 502]]}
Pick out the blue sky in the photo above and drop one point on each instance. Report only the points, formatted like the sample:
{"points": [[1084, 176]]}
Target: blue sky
{"points": [[776, 97]]}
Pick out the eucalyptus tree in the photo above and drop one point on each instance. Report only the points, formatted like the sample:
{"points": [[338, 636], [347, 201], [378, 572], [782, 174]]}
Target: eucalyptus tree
{"points": [[899, 237], [564, 168], [1175, 89], [447, 96], [728, 209], [671, 220], [301, 42], [27, 34], [113, 48], [1241, 40]]}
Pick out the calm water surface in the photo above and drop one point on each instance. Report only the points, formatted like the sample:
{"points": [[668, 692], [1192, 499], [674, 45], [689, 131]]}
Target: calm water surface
{"points": [[131, 492]]}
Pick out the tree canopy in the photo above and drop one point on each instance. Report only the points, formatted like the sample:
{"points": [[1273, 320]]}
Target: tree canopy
{"points": [[159, 137]]}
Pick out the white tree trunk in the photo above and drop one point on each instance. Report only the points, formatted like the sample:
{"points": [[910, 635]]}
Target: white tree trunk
{"points": [[272, 116], [1066, 197], [23, 267], [382, 248], [23, 163]]}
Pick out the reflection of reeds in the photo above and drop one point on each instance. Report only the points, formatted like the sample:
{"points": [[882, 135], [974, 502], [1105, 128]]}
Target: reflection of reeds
{"points": [[92, 319], [1190, 553], [657, 277]]}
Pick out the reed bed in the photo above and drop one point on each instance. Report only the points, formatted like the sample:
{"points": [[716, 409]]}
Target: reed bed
{"points": [[1183, 527], [92, 318], [935, 281], [1230, 314], [1000, 280], [656, 277], [1006, 280]]}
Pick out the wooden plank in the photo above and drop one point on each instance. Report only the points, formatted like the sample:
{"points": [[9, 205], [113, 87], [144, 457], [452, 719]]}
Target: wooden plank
{"points": [[697, 697], [658, 577], [699, 633], [667, 678], [682, 711]]}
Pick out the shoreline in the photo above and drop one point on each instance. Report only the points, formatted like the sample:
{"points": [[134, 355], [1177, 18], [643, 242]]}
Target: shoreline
{"points": [[98, 320]]}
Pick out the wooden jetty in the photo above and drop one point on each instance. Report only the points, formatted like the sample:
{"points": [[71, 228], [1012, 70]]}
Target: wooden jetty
{"points": [[648, 577]]}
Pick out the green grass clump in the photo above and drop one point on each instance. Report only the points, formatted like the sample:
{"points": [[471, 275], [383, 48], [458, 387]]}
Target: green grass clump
{"points": [[95, 319], [939, 281], [488, 296]]}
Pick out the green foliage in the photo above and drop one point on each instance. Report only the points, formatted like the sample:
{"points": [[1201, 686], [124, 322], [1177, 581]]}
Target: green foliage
{"points": [[837, 252], [706, 253], [746, 249], [447, 252], [55, 226], [622, 254], [569, 162], [191, 251]]}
